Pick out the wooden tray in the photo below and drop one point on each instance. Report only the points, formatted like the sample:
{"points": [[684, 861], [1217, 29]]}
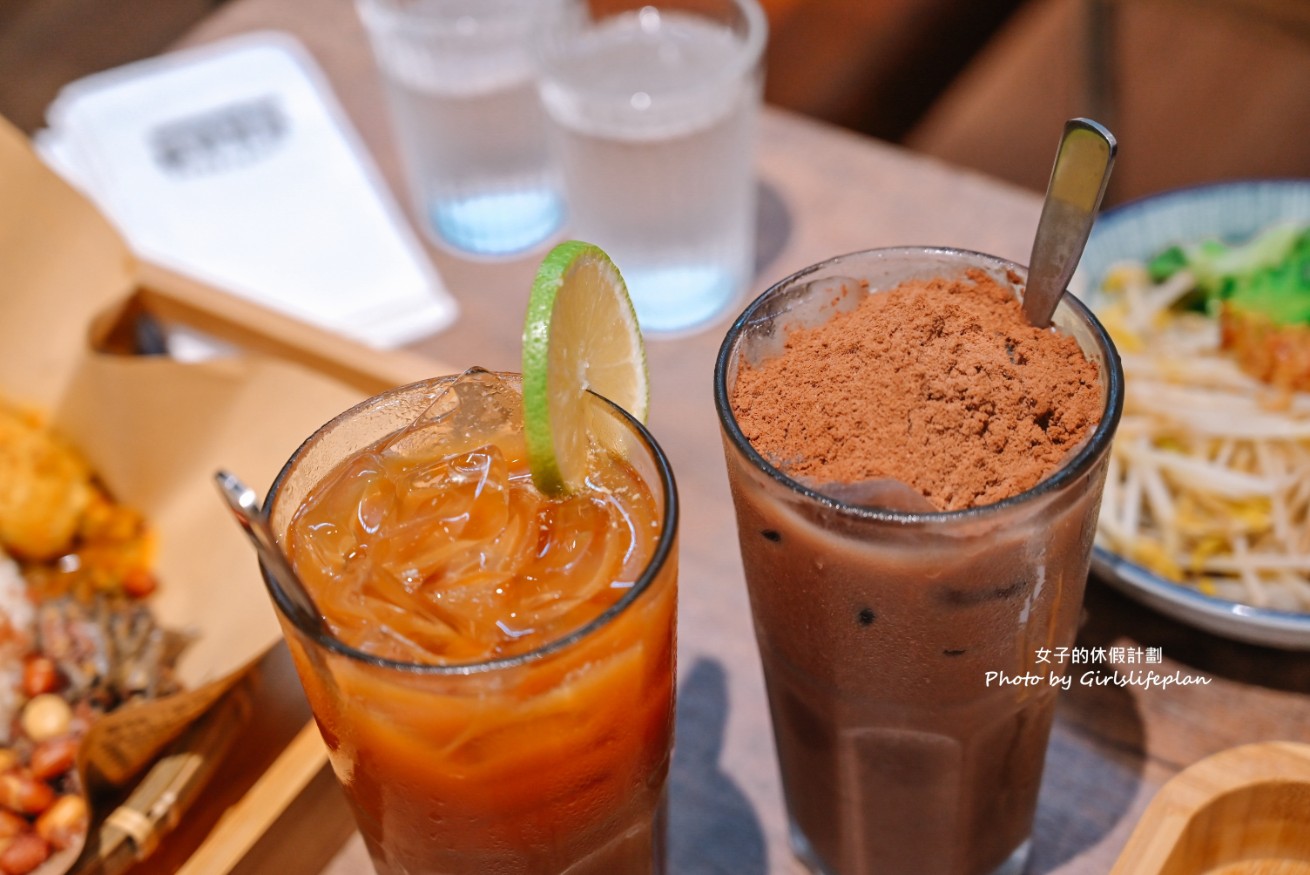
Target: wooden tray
{"points": [[1245, 811]]}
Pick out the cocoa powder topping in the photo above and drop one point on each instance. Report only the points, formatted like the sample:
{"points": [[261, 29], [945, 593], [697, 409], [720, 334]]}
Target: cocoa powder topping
{"points": [[940, 384]]}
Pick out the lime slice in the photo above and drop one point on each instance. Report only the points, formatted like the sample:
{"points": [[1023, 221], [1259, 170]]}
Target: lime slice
{"points": [[581, 333]]}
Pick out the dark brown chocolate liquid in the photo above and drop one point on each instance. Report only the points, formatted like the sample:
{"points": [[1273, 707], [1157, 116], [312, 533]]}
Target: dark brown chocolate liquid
{"points": [[897, 757]]}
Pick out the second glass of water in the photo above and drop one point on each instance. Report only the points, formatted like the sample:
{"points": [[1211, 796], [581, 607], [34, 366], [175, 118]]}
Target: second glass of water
{"points": [[461, 82], [652, 109]]}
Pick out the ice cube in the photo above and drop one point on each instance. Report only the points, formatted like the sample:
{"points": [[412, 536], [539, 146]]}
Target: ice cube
{"points": [[883, 492], [903, 782], [468, 490], [581, 553], [986, 589], [476, 407]]}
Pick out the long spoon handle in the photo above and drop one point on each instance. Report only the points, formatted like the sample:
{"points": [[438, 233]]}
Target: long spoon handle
{"points": [[1073, 196], [244, 504]]}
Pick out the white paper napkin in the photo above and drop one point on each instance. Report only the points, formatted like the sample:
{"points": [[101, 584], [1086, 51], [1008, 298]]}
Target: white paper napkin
{"points": [[235, 164]]}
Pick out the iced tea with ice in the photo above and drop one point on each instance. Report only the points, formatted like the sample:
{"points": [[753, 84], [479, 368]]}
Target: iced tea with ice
{"points": [[495, 684]]}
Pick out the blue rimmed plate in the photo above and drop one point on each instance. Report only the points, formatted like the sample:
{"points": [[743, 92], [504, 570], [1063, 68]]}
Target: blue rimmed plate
{"points": [[1138, 230]]}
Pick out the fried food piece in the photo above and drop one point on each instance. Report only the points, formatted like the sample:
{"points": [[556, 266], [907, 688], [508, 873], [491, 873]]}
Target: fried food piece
{"points": [[45, 488], [1277, 354]]}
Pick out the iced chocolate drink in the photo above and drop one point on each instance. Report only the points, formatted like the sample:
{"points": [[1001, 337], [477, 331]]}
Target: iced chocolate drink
{"points": [[916, 474]]}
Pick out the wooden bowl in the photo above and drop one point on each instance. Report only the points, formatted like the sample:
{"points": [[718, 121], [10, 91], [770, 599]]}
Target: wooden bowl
{"points": [[1244, 811]]}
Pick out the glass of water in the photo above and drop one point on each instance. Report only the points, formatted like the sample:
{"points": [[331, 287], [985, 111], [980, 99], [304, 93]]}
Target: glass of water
{"points": [[652, 107], [460, 77]]}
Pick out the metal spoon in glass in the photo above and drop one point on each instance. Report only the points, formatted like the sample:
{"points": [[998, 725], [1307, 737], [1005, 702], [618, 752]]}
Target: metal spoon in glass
{"points": [[244, 504], [1073, 196]]}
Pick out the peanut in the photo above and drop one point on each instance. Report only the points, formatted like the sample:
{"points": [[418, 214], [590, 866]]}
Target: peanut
{"points": [[46, 716], [139, 583], [64, 823], [40, 675], [53, 757], [11, 824], [21, 792], [23, 854]]}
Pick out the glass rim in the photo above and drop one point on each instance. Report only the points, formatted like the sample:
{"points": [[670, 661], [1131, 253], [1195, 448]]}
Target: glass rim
{"points": [[434, 21], [752, 46], [1070, 469], [650, 572]]}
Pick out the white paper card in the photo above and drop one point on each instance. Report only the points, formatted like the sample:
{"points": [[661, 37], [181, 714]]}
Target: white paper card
{"points": [[234, 163]]}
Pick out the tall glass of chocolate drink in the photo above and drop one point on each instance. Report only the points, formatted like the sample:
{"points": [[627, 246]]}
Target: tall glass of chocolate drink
{"points": [[916, 473]]}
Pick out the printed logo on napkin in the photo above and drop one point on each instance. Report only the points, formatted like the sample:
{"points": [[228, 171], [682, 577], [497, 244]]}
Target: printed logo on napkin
{"points": [[216, 141], [234, 163]]}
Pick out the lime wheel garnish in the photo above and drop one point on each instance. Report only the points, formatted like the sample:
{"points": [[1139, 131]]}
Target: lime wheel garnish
{"points": [[581, 333]]}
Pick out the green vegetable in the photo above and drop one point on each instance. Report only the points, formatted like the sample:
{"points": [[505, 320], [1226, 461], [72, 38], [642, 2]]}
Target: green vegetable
{"points": [[1166, 264], [1269, 274]]}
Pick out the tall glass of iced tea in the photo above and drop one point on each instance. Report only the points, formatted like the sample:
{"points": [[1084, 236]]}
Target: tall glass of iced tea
{"points": [[916, 474], [495, 677]]}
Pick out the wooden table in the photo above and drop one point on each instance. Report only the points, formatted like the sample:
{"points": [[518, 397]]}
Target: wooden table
{"points": [[823, 192]]}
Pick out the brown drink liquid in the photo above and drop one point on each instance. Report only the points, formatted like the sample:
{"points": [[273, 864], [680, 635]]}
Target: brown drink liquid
{"points": [[497, 692], [895, 755], [877, 628]]}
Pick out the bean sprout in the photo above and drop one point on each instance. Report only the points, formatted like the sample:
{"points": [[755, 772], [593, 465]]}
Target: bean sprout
{"points": [[1209, 477]]}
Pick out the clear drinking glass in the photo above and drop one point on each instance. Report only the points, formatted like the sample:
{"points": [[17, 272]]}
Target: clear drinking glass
{"points": [[460, 78], [549, 762], [652, 109], [877, 628]]}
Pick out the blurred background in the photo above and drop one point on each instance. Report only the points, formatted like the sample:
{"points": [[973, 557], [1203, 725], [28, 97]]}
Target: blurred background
{"points": [[1195, 90]]}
